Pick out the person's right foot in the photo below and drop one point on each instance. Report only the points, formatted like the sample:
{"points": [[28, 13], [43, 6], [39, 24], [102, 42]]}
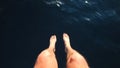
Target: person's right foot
{"points": [[68, 48], [66, 41]]}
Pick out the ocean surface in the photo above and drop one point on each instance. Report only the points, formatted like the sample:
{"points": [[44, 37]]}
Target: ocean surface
{"points": [[93, 26]]}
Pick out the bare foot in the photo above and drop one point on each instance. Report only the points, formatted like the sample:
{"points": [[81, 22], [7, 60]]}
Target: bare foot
{"points": [[67, 42], [53, 40]]}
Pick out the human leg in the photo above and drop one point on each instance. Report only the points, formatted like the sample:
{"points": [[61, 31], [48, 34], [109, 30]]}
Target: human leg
{"points": [[74, 59], [47, 59]]}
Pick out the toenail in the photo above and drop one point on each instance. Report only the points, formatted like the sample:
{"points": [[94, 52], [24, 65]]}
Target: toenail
{"points": [[53, 36], [65, 35]]}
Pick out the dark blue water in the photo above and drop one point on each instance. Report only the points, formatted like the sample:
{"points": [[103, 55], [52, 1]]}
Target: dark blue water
{"points": [[93, 26], [87, 11]]}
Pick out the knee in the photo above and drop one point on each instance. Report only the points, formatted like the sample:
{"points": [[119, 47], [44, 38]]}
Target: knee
{"points": [[74, 58], [46, 59], [77, 61], [44, 55]]}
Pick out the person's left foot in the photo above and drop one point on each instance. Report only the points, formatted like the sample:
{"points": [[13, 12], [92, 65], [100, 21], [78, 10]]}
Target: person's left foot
{"points": [[53, 40]]}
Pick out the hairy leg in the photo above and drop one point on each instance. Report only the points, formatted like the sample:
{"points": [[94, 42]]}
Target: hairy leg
{"points": [[74, 59], [47, 59]]}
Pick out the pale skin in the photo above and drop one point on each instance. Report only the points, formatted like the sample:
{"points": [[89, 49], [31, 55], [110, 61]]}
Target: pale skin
{"points": [[47, 58]]}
